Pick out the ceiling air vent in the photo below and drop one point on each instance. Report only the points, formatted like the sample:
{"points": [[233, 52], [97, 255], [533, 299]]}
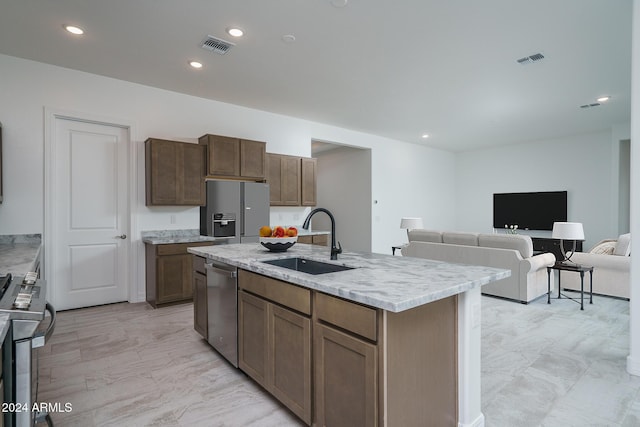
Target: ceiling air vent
{"points": [[595, 104], [216, 45], [530, 59]]}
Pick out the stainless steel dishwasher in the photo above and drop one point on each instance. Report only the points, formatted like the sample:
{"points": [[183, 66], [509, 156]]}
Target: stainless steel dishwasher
{"points": [[222, 309]]}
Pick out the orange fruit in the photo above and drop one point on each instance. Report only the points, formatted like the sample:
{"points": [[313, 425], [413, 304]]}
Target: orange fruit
{"points": [[265, 231]]}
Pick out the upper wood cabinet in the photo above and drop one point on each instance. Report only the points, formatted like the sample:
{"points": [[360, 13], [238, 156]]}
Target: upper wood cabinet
{"points": [[235, 158], [292, 180], [283, 177], [308, 182], [174, 173]]}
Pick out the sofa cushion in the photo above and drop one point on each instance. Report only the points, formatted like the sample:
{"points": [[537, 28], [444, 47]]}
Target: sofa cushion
{"points": [[455, 238], [623, 245], [420, 235], [521, 243], [605, 247]]}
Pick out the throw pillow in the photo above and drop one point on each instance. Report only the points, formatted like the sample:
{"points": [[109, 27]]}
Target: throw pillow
{"points": [[605, 248], [623, 246]]}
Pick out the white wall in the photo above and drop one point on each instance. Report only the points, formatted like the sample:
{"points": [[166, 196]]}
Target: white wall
{"points": [[407, 179], [344, 187], [584, 165], [633, 360]]}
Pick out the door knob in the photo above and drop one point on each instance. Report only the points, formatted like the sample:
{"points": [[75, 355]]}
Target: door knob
{"points": [[122, 236]]}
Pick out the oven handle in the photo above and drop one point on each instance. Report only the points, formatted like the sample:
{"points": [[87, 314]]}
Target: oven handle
{"points": [[40, 338]]}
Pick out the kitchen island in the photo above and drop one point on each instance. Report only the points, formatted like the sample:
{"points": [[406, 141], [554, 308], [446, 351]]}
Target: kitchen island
{"points": [[392, 341]]}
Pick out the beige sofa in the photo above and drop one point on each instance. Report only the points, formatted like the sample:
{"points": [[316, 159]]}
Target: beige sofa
{"points": [[528, 279], [611, 261]]}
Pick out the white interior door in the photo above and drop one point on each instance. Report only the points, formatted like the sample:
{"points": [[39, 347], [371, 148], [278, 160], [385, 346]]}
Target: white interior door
{"points": [[89, 204]]}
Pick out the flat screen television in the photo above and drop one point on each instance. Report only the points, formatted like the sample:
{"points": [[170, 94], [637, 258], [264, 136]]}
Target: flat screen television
{"points": [[530, 211]]}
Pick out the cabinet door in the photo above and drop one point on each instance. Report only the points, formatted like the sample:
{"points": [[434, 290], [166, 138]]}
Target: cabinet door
{"points": [[191, 172], [290, 183], [290, 360], [200, 304], [223, 155], [252, 159], [274, 178], [173, 278], [308, 190], [174, 173], [252, 337], [345, 379], [161, 170]]}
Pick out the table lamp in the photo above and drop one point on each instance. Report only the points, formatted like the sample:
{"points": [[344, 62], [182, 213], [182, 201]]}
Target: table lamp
{"points": [[567, 231], [409, 223]]}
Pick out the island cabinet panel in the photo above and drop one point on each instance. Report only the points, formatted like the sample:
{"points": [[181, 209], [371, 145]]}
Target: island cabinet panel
{"points": [[274, 344], [290, 362], [253, 348], [174, 173], [420, 373], [355, 318], [346, 383], [200, 297]]}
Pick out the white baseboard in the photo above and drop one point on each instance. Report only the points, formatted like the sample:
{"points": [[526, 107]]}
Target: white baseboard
{"points": [[478, 422], [633, 366]]}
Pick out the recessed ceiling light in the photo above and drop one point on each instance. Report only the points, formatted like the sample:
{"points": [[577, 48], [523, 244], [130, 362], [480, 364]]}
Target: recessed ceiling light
{"points": [[425, 135], [195, 64], [235, 32], [74, 30], [339, 3], [603, 99]]}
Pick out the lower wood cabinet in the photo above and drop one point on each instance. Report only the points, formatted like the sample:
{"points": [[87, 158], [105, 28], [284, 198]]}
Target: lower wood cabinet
{"points": [[370, 367], [169, 273], [274, 341], [346, 381], [200, 307], [315, 239]]}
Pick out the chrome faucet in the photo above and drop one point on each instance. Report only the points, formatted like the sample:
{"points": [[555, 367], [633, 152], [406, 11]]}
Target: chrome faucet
{"points": [[335, 250]]}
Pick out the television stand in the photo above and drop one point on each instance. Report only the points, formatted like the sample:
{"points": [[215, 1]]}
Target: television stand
{"points": [[544, 244]]}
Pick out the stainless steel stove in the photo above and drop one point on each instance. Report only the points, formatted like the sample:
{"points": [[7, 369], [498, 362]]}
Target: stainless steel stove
{"points": [[24, 299]]}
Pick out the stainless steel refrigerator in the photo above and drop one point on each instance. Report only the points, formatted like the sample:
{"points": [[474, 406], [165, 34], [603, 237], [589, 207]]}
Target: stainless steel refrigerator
{"points": [[235, 210]]}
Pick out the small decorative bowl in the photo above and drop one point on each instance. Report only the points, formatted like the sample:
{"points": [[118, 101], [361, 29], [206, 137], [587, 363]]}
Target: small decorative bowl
{"points": [[278, 244]]}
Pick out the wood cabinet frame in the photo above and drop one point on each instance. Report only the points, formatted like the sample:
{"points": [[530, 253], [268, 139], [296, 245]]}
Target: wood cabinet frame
{"points": [[174, 173]]}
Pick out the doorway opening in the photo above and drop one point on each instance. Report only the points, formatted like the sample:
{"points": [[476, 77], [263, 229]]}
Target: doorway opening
{"points": [[344, 187]]}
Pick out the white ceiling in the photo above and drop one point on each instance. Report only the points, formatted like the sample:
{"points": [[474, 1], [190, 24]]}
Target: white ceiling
{"points": [[391, 68]]}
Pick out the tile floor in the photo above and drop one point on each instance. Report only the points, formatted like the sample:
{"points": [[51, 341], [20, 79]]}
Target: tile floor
{"points": [[131, 365]]}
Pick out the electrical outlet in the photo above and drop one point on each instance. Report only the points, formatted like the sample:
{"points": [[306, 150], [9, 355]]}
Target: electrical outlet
{"points": [[172, 219], [296, 217]]}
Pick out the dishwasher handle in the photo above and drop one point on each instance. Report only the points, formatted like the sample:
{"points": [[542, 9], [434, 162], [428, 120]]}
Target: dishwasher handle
{"points": [[223, 272]]}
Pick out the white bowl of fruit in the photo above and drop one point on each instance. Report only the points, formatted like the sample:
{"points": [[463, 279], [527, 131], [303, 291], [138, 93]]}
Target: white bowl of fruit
{"points": [[279, 238]]}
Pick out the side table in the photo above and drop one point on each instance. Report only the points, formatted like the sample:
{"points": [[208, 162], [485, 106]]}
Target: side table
{"points": [[393, 249], [576, 268]]}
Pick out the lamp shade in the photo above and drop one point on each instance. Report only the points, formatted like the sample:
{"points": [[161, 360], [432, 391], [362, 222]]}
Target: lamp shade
{"points": [[567, 231], [411, 223]]}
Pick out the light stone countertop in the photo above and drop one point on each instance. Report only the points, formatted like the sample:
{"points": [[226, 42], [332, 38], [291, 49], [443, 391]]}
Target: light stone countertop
{"points": [[382, 281], [163, 237], [19, 254]]}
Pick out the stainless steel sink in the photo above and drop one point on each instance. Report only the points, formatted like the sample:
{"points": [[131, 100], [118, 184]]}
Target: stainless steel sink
{"points": [[307, 265]]}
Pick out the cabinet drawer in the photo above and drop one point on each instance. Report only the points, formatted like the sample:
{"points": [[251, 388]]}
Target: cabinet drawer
{"points": [[178, 248], [198, 264], [352, 317], [288, 295]]}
